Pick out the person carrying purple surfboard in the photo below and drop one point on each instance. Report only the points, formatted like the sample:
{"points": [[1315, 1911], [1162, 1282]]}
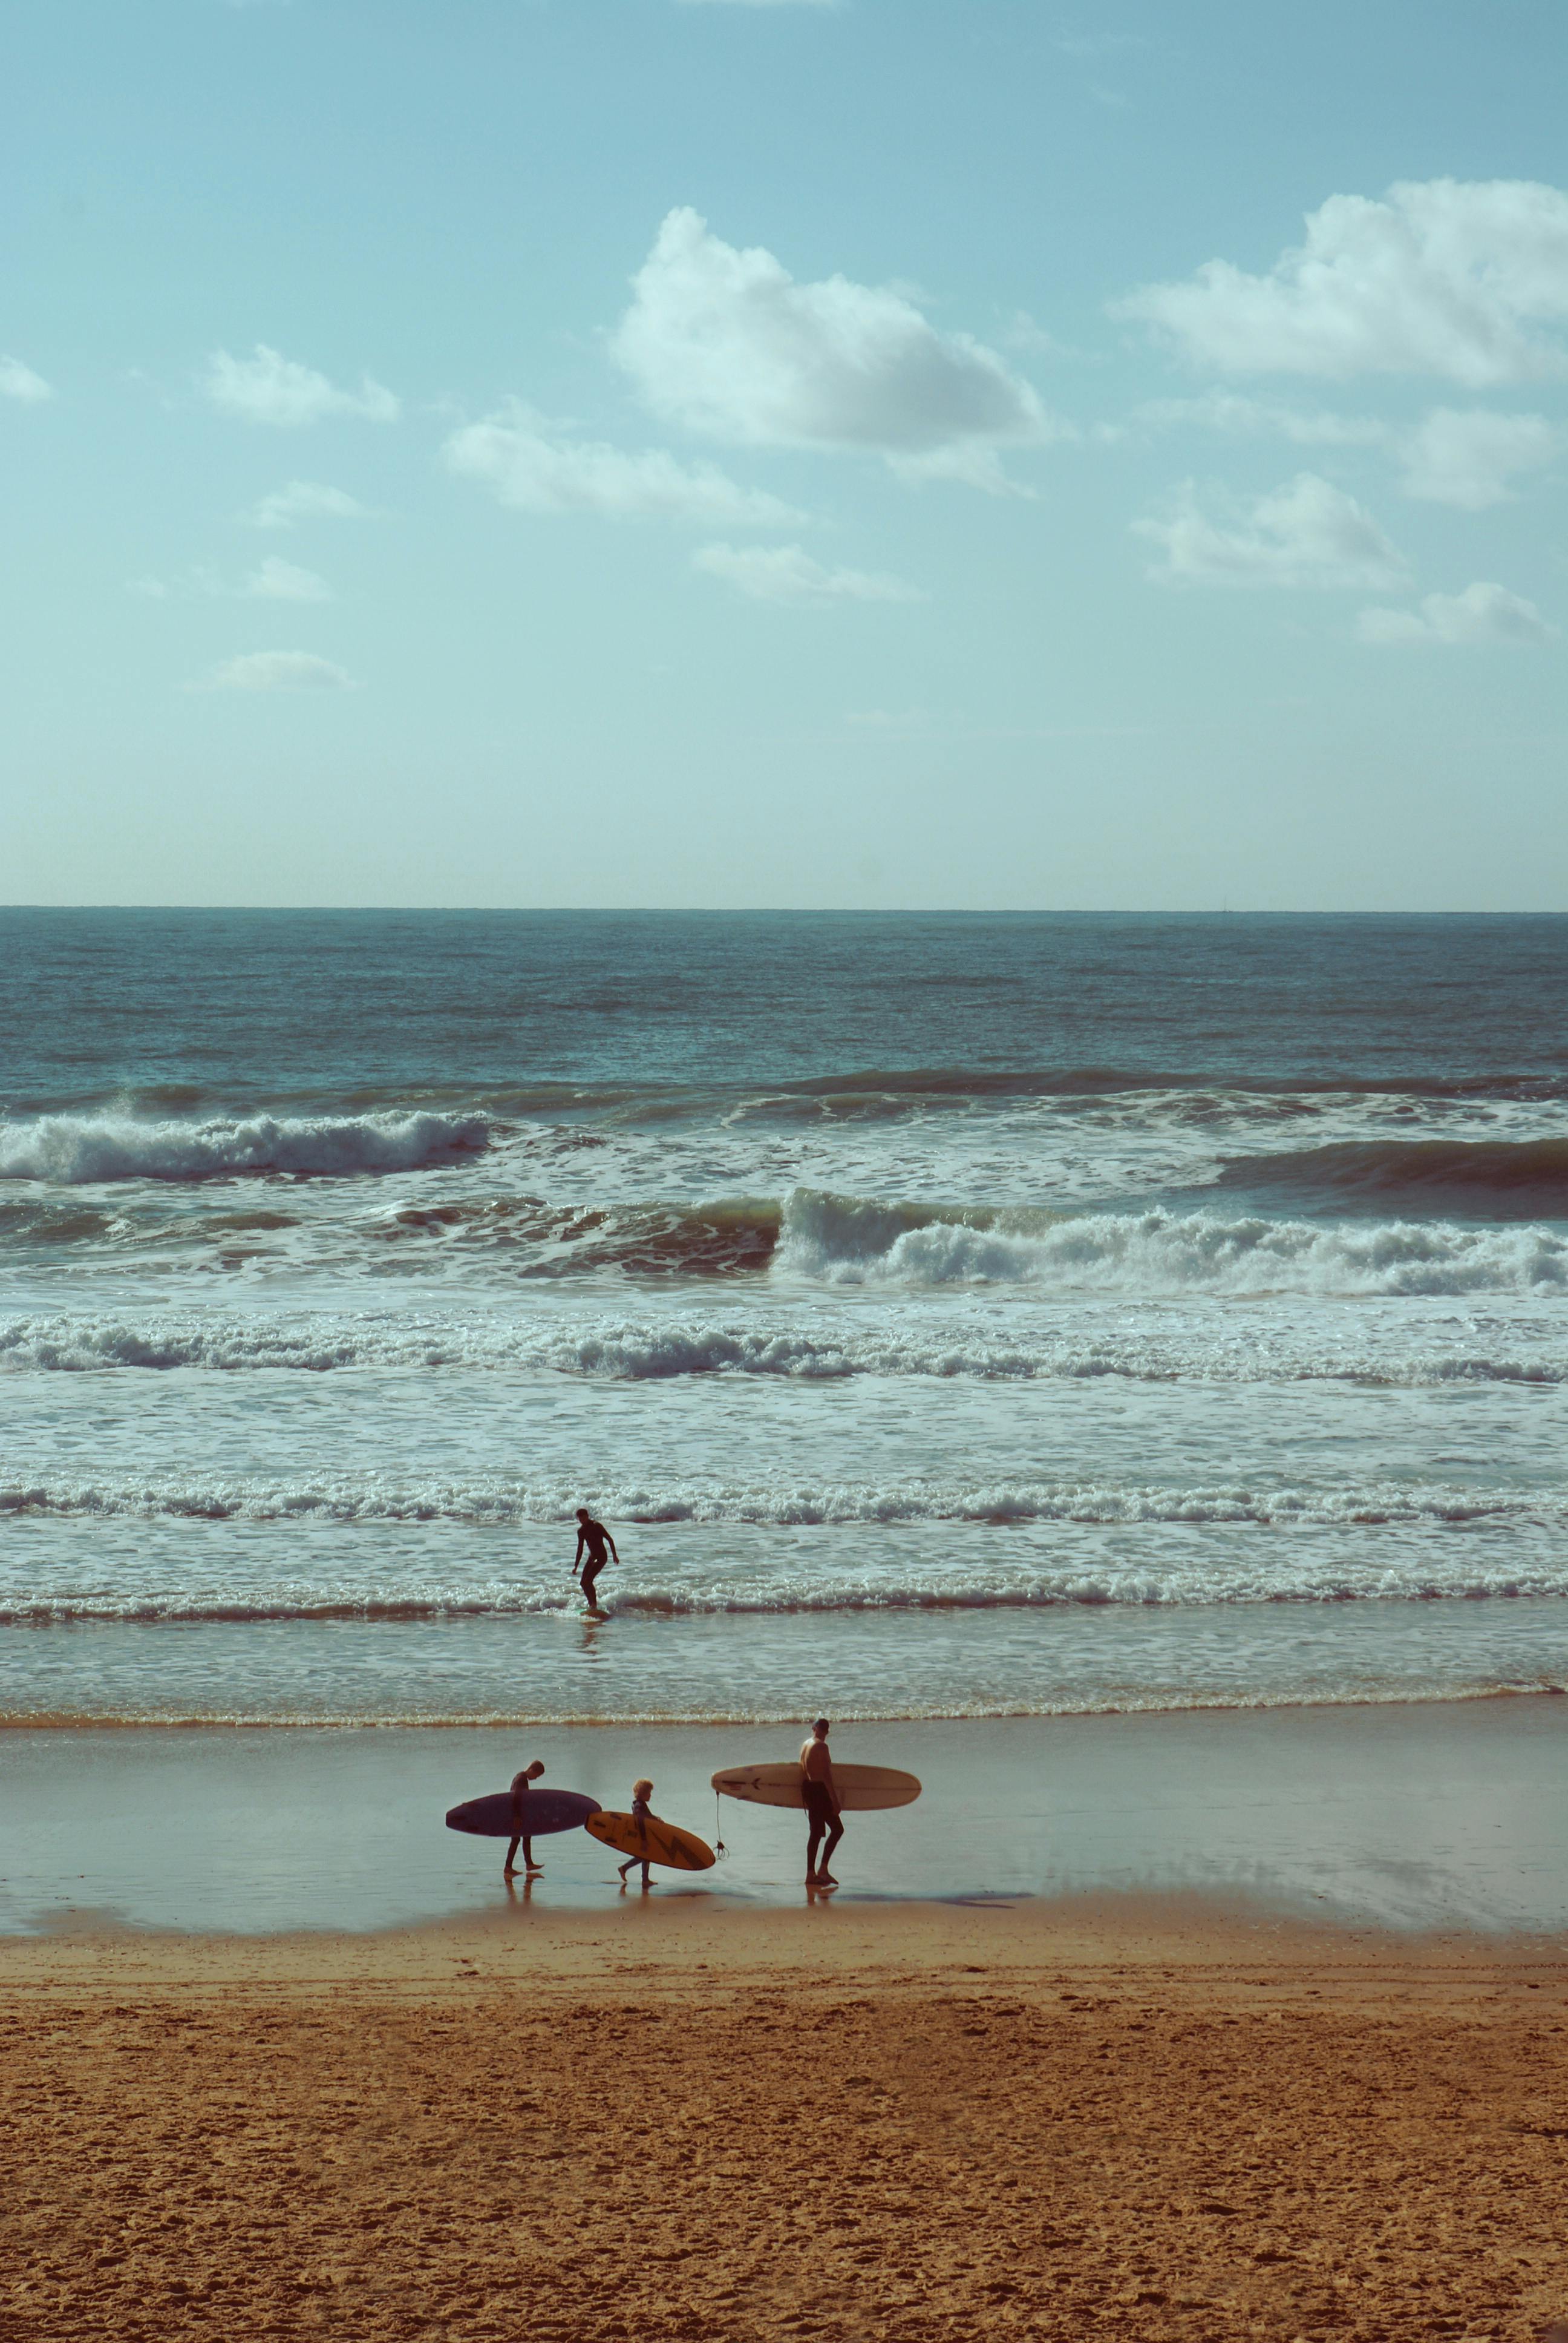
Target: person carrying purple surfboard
{"points": [[520, 1821]]}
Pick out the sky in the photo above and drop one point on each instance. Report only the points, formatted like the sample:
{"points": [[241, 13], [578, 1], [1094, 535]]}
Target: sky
{"points": [[819, 453]]}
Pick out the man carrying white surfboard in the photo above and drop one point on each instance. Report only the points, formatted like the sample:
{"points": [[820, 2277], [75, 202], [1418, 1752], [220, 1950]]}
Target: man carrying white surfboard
{"points": [[822, 1801]]}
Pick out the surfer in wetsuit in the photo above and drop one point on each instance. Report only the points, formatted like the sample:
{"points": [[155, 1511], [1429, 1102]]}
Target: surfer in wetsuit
{"points": [[821, 1801], [592, 1539], [520, 1821], [641, 1792]]}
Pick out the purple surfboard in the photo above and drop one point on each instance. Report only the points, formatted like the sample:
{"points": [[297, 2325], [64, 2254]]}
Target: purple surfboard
{"points": [[544, 1812]]}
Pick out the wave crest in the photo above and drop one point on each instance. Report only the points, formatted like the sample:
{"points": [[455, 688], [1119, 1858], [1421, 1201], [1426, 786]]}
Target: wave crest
{"points": [[787, 1505], [1496, 1179], [633, 1350], [845, 1242], [72, 1151]]}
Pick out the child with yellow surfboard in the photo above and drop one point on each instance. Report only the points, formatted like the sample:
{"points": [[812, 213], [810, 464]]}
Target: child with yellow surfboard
{"points": [[645, 1838], [641, 1792]]}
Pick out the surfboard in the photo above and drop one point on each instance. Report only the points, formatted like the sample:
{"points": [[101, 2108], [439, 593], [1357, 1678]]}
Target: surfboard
{"points": [[545, 1812], [677, 1850], [861, 1788]]}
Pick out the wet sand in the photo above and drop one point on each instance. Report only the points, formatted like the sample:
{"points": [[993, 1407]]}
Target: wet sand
{"points": [[1421, 1817], [1147, 2117]]}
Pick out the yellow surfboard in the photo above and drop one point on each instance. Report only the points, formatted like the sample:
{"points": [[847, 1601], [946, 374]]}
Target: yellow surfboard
{"points": [[677, 1850]]}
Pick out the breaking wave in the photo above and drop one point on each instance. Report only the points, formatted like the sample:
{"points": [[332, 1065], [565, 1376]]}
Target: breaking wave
{"points": [[845, 1241], [82, 1151], [631, 1350], [785, 1504]]}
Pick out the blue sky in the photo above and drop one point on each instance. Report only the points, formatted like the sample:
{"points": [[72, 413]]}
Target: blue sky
{"points": [[710, 452]]}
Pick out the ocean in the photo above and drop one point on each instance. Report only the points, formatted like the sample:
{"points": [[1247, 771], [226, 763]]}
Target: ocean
{"points": [[950, 1315]]}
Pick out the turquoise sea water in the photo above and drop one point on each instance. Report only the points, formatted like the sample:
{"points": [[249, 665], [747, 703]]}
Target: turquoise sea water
{"points": [[950, 1315]]}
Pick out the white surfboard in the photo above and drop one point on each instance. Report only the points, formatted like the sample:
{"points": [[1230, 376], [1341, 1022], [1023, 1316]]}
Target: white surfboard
{"points": [[861, 1788]]}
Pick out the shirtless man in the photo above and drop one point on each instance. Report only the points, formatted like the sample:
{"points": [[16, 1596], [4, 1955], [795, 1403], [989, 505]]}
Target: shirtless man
{"points": [[821, 1799], [592, 1539]]}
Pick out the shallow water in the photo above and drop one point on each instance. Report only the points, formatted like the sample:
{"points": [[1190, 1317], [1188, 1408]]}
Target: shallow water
{"points": [[1417, 1817]]}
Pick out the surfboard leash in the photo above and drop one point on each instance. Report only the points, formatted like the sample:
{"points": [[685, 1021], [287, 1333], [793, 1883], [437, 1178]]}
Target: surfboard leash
{"points": [[719, 1849]]}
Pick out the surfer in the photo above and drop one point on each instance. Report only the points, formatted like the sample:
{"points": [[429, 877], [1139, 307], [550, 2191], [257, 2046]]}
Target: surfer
{"points": [[520, 1821], [592, 1539], [641, 1792], [821, 1804]]}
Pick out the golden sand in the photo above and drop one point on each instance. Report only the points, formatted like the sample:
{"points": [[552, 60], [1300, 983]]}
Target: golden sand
{"points": [[1149, 2121]]}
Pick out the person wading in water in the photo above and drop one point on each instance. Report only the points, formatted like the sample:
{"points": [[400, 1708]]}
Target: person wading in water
{"points": [[520, 1820], [821, 1801], [592, 1539]]}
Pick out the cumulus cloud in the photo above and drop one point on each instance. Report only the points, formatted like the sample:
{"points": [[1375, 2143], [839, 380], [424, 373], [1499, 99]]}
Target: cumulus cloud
{"points": [[1484, 613], [1467, 458], [19, 381], [1306, 534], [726, 343], [786, 573], [1443, 276], [300, 500], [278, 671], [534, 464], [271, 388]]}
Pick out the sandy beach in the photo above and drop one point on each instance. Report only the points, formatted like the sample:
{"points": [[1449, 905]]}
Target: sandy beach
{"points": [[1146, 2118], [1180, 2101]]}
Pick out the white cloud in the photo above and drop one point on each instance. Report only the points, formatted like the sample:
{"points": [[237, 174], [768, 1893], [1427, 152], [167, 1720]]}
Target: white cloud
{"points": [[1467, 458], [271, 388], [278, 671], [1306, 534], [1484, 613], [19, 381], [274, 581], [537, 466], [726, 343], [284, 581], [786, 573], [1445, 277], [306, 500], [1227, 410]]}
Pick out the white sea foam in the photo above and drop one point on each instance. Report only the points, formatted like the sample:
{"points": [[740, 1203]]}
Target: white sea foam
{"points": [[1234, 1578], [613, 1349], [376, 1498], [844, 1241], [78, 1150]]}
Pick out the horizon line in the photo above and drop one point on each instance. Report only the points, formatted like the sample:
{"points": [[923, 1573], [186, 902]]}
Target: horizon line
{"points": [[807, 911]]}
